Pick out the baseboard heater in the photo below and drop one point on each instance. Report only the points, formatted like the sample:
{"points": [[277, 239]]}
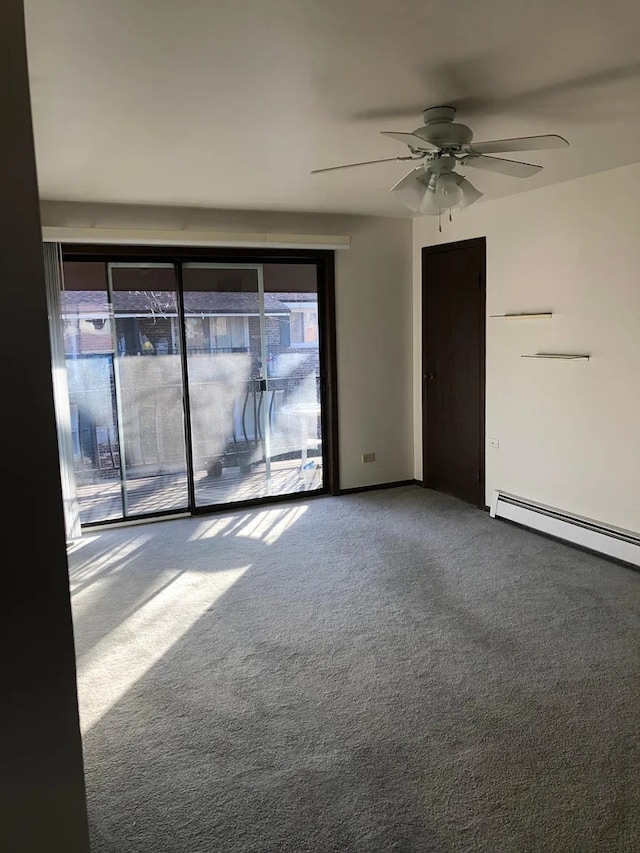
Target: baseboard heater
{"points": [[610, 541]]}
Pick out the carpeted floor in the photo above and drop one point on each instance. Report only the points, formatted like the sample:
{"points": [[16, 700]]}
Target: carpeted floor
{"points": [[392, 670]]}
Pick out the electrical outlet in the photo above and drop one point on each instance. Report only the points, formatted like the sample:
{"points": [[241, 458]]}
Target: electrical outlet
{"points": [[368, 457], [494, 442]]}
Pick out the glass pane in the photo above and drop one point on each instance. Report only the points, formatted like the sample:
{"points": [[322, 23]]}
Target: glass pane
{"points": [[149, 388], [293, 370], [227, 397], [89, 354]]}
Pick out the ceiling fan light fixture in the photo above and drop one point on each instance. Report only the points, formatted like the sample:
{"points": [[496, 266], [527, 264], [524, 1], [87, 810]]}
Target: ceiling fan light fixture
{"points": [[429, 205], [447, 192], [423, 192], [433, 188], [469, 194], [413, 188]]}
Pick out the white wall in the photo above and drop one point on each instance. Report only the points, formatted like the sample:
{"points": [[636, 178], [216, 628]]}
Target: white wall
{"points": [[373, 317], [569, 432]]}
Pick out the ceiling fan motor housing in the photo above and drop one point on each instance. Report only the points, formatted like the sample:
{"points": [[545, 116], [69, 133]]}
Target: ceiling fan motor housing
{"points": [[440, 129]]}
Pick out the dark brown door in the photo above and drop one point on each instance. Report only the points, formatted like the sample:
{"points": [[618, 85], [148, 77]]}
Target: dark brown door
{"points": [[453, 334]]}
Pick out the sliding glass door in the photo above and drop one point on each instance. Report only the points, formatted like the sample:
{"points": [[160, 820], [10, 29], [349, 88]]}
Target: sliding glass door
{"points": [[191, 385], [225, 352], [89, 343], [292, 369], [148, 388], [253, 373], [123, 358]]}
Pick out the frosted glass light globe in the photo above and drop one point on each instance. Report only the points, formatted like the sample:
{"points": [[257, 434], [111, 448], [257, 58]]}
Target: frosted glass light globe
{"points": [[447, 192]]}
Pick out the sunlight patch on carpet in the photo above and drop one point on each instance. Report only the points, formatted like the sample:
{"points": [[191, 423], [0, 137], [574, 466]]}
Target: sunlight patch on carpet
{"points": [[77, 544], [267, 525], [86, 571], [283, 524], [121, 658], [214, 527]]}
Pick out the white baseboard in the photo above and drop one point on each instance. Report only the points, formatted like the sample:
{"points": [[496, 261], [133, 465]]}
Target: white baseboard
{"points": [[611, 541]]}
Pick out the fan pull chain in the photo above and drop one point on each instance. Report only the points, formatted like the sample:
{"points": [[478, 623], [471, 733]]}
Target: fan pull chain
{"points": [[440, 220], [450, 217]]}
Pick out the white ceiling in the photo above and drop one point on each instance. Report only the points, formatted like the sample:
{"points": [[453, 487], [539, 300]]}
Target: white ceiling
{"points": [[231, 103]]}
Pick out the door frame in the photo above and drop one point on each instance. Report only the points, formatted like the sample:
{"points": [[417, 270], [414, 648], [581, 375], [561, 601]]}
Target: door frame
{"points": [[427, 251], [322, 259]]}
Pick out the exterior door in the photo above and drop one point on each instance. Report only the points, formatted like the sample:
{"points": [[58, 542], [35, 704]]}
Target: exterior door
{"points": [[148, 387], [252, 349], [123, 360], [453, 333], [195, 384]]}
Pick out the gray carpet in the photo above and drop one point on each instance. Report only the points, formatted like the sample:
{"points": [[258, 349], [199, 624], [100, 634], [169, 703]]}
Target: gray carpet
{"points": [[385, 671]]}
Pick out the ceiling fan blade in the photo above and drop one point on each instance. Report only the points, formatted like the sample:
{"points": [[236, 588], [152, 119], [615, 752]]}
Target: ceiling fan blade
{"points": [[514, 168], [470, 193], [363, 163], [521, 143], [410, 139], [420, 174]]}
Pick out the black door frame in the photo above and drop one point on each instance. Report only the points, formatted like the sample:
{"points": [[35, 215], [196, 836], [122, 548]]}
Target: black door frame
{"points": [[481, 244], [324, 261]]}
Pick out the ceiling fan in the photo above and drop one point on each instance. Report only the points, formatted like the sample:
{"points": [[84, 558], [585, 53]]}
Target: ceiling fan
{"points": [[441, 145]]}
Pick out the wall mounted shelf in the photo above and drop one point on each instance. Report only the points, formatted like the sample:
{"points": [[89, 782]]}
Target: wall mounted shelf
{"points": [[526, 315], [567, 356]]}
